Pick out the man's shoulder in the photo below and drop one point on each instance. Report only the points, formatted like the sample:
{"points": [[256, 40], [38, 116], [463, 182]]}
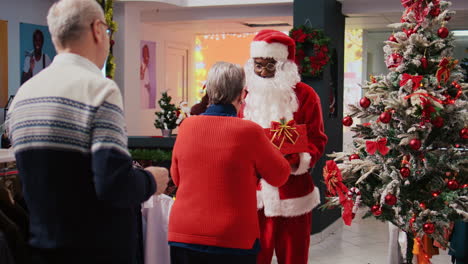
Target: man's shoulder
{"points": [[303, 90]]}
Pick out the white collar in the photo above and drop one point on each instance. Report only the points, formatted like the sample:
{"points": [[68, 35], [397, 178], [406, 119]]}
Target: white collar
{"points": [[67, 58]]}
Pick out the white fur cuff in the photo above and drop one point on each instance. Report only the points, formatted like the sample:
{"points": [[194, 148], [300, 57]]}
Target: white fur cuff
{"points": [[262, 49], [304, 164]]}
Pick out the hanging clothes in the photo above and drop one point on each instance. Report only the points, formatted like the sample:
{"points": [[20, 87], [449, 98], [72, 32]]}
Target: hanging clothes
{"points": [[156, 219]]}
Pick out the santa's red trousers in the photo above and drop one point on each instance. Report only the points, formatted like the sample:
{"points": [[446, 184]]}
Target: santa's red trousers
{"points": [[288, 237]]}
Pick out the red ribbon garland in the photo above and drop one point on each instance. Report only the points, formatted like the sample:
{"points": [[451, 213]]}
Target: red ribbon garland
{"points": [[416, 79], [335, 186], [379, 145], [448, 98]]}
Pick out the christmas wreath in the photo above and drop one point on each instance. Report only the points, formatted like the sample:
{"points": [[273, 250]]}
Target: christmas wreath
{"points": [[312, 50]]}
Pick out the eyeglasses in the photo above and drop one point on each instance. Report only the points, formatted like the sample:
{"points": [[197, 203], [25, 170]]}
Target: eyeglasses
{"points": [[269, 67], [108, 30]]}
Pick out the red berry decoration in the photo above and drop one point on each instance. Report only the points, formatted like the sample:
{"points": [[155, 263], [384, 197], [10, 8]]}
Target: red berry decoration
{"points": [[443, 32], [453, 185], [435, 12], [422, 205], [423, 62], [392, 38], [465, 185], [436, 193], [385, 117], [415, 144], [438, 122], [347, 121], [364, 102], [428, 228], [354, 156], [390, 199], [464, 133], [405, 172]]}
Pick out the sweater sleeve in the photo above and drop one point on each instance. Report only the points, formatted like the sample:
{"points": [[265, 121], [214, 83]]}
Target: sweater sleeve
{"points": [[115, 179], [175, 164], [311, 114], [269, 162]]}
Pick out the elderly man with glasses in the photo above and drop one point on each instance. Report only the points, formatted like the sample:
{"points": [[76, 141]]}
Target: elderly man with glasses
{"points": [[68, 133]]}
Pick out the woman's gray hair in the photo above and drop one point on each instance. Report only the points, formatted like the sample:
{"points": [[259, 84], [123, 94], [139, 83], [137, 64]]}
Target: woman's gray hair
{"points": [[225, 82], [68, 19]]}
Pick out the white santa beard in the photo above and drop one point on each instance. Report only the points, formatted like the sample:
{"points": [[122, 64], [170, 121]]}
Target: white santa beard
{"points": [[270, 99]]}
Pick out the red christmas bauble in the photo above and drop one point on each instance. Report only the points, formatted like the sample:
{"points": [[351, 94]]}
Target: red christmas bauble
{"points": [[390, 199], [464, 133], [364, 102], [436, 193], [453, 185], [378, 212], [375, 207], [354, 156], [422, 205], [428, 228], [415, 144], [438, 122], [465, 185], [423, 62], [385, 117], [443, 32], [347, 121], [435, 11], [392, 38], [405, 172]]}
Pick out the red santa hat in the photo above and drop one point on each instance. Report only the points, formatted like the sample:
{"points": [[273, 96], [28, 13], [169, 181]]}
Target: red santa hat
{"points": [[274, 44]]}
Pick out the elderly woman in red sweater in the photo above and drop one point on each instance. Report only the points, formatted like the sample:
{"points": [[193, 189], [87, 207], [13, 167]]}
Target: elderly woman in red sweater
{"points": [[216, 162]]}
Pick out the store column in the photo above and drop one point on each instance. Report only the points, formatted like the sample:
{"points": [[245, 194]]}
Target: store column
{"points": [[326, 15]]}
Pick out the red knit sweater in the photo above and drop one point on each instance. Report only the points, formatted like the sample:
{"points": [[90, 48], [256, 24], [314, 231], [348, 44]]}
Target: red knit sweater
{"points": [[214, 164]]}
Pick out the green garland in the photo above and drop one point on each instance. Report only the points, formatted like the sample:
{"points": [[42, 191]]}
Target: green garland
{"points": [[108, 6], [151, 154]]}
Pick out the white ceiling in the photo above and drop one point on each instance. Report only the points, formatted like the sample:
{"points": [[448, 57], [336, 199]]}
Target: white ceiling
{"points": [[225, 16]]}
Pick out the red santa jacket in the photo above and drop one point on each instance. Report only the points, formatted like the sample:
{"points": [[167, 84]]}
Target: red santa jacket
{"points": [[299, 195]]}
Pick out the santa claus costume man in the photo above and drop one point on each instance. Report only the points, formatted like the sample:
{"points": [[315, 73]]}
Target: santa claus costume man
{"points": [[275, 91]]}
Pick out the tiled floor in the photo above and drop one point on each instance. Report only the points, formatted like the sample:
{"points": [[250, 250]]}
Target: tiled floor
{"points": [[364, 242]]}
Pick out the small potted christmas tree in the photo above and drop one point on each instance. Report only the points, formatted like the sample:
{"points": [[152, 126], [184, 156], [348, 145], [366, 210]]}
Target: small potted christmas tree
{"points": [[166, 118]]}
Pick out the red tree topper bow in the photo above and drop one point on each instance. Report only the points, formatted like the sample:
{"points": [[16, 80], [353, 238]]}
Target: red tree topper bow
{"points": [[379, 145], [416, 80], [419, 8], [445, 66], [282, 131]]}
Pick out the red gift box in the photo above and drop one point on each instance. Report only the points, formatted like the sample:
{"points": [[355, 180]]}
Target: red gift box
{"points": [[288, 137]]}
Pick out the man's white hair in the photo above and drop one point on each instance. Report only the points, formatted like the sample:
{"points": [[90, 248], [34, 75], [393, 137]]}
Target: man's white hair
{"points": [[270, 99], [68, 19]]}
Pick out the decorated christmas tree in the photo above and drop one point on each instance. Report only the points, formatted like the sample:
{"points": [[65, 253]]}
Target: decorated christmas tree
{"points": [[166, 118], [409, 160]]}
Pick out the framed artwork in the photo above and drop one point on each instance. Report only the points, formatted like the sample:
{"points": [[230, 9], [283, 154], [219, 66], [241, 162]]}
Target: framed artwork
{"points": [[36, 50], [147, 74]]}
